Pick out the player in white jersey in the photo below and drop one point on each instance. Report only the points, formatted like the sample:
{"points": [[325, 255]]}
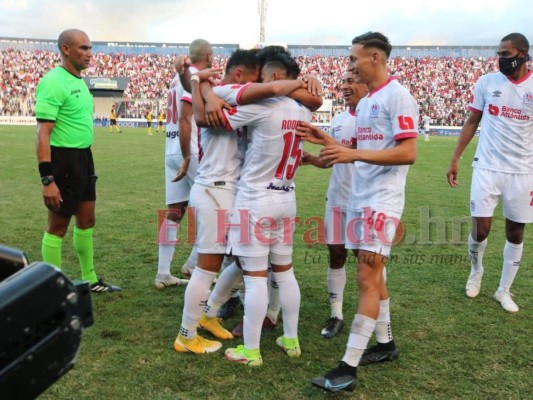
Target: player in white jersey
{"points": [[503, 163], [262, 221], [386, 133], [230, 279], [213, 194], [341, 129], [426, 120], [181, 165]]}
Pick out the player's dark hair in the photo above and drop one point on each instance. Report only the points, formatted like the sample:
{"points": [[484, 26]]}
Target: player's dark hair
{"points": [[285, 62], [518, 40], [245, 58], [267, 52], [374, 39]]}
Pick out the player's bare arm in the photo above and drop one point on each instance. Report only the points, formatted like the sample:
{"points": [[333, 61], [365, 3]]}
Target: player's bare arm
{"points": [[404, 153], [185, 115], [182, 65], [259, 91], [51, 194], [467, 133]]}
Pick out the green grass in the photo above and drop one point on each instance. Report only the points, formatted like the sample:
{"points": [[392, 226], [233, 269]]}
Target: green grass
{"points": [[451, 346]]}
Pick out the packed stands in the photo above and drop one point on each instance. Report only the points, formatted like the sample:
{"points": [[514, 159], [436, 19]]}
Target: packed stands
{"points": [[442, 84]]}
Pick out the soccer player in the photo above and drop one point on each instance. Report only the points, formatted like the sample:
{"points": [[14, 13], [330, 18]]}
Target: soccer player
{"points": [[386, 132], [149, 117], [213, 194], [64, 112], [160, 117], [181, 165], [265, 206], [503, 164], [341, 129], [113, 120], [426, 120]]}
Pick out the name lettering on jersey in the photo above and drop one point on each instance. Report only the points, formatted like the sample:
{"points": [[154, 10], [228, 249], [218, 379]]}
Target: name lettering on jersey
{"points": [[365, 133], [271, 186], [528, 98], [374, 111], [290, 124], [173, 134]]}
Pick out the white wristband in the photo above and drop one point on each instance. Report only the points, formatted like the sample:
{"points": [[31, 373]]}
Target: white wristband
{"points": [[195, 78]]}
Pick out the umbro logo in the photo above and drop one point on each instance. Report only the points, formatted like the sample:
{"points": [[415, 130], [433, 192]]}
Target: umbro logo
{"points": [[496, 93]]}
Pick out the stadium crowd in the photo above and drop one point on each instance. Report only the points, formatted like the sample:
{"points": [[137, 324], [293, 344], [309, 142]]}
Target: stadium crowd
{"points": [[442, 86]]}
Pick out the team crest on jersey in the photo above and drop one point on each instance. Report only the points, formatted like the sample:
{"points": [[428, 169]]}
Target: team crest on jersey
{"points": [[374, 111], [528, 98]]}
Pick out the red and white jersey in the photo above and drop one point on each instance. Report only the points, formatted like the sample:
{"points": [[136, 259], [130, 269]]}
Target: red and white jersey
{"points": [[506, 138], [222, 153], [341, 129], [274, 151], [176, 94], [385, 116]]}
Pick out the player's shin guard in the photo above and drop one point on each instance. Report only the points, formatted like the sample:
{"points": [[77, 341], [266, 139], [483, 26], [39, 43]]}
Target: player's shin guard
{"points": [[360, 333]]}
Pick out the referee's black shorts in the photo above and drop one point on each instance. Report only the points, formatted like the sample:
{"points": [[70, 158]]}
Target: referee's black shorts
{"points": [[73, 171]]}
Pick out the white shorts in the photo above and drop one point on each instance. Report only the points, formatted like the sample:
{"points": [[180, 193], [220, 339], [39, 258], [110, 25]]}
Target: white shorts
{"points": [[335, 224], [212, 210], [372, 230], [516, 191], [178, 192], [260, 230]]}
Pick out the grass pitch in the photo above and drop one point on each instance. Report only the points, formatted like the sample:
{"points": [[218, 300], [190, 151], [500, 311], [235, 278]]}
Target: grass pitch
{"points": [[450, 346]]}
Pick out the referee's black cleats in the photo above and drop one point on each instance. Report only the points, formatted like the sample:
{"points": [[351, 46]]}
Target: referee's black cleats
{"points": [[344, 377], [381, 352], [101, 286]]}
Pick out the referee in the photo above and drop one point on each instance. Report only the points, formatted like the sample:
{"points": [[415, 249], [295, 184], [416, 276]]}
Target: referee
{"points": [[64, 112]]}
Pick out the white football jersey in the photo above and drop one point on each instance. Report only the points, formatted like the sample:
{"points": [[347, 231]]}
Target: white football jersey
{"points": [[176, 94], [386, 115], [506, 140], [426, 120], [221, 152], [341, 129], [274, 151]]}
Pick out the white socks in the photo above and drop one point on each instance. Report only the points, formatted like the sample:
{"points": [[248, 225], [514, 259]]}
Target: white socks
{"points": [[255, 308], [289, 297], [360, 333], [336, 280], [476, 250], [228, 283], [167, 244], [274, 305], [512, 254], [195, 298], [383, 328]]}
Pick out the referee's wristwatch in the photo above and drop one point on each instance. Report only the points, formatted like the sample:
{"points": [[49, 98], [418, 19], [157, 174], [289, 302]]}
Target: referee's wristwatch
{"points": [[46, 180]]}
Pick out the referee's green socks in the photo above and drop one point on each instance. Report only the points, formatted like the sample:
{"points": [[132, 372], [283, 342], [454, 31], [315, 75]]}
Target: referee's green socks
{"points": [[51, 249], [83, 243]]}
